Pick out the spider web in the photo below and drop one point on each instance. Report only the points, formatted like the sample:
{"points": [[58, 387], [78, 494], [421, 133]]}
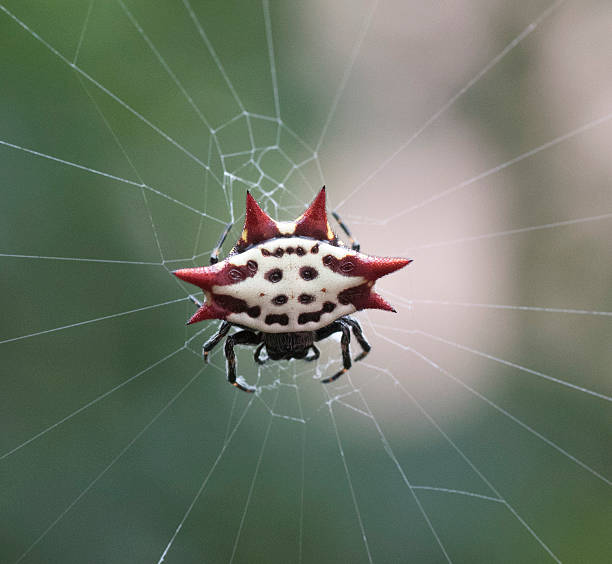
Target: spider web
{"points": [[478, 429]]}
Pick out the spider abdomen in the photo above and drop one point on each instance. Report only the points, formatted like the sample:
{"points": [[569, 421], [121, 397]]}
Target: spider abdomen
{"points": [[289, 288]]}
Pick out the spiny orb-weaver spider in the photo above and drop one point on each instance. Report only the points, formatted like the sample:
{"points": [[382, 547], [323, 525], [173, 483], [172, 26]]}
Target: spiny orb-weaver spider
{"points": [[288, 285]]}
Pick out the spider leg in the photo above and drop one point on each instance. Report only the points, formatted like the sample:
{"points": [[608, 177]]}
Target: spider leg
{"points": [[358, 332], [214, 256], [195, 300], [354, 244], [257, 353], [215, 339], [316, 354], [240, 338], [335, 327]]}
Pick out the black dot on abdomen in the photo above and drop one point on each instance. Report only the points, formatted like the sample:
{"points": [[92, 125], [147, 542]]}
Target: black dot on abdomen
{"points": [[308, 273], [281, 299], [306, 299], [281, 319], [254, 312], [309, 316], [274, 275], [328, 307]]}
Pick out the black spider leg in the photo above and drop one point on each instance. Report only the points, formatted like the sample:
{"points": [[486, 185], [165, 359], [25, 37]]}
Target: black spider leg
{"points": [[215, 339], [354, 244], [358, 332], [240, 338], [335, 327], [214, 256], [316, 354], [257, 353]]}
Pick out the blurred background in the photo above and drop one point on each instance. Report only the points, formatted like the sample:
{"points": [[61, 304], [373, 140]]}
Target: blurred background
{"points": [[472, 136]]}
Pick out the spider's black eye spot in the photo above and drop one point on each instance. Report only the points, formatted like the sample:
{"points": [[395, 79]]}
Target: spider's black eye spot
{"points": [[308, 273], [347, 266], [265, 252], [306, 299], [274, 275], [279, 252], [328, 307], [328, 259], [300, 251], [315, 249], [236, 274], [252, 266], [280, 299]]}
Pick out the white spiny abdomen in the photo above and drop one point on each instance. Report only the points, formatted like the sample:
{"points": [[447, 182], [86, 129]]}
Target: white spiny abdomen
{"points": [[304, 298]]}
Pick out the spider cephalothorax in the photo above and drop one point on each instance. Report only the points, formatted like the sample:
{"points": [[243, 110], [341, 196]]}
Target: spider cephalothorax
{"points": [[288, 284]]}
